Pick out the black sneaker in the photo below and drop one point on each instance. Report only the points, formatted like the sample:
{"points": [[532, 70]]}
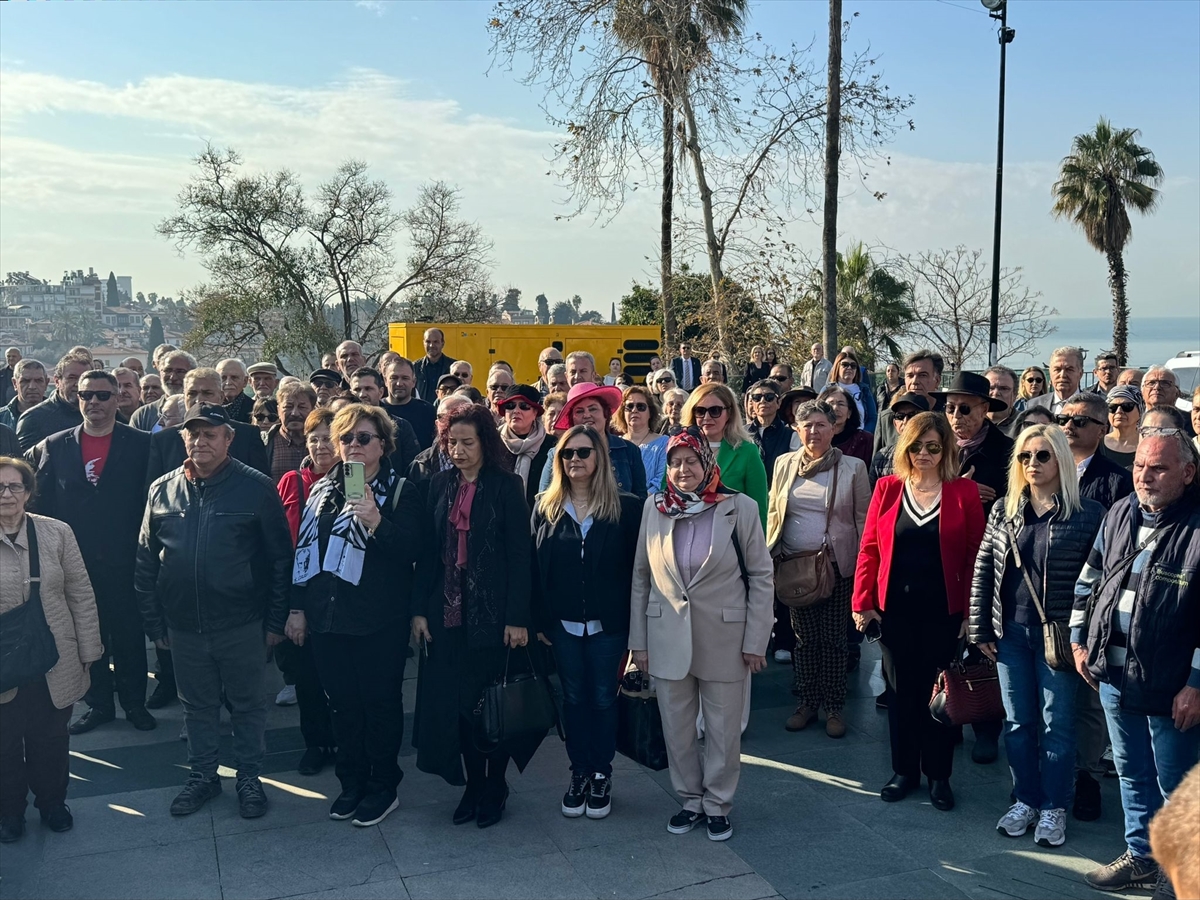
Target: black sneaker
{"points": [[11, 829], [576, 797], [58, 819], [140, 719], [375, 808], [93, 718], [163, 696], [252, 800], [1123, 873], [1163, 889], [194, 795], [684, 821], [1087, 798], [346, 804], [719, 828], [599, 801]]}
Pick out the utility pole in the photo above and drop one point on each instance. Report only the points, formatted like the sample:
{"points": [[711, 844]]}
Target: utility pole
{"points": [[833, 131], [998, 9]]}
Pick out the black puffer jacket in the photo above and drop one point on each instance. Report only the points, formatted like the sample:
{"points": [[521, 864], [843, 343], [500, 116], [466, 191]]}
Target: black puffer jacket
{"points": [[49, 417], [1070, 542], [214, 553]]}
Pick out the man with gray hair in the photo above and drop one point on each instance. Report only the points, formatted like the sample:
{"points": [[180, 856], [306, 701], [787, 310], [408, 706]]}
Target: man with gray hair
{"points": [[213, 581], [1160, 387], [1066, 371], [129, 392], [12, 356], [62, 410], [29, 383], [581, 368], [233, 386], [556, 379], [173, 366], [132, 362]]}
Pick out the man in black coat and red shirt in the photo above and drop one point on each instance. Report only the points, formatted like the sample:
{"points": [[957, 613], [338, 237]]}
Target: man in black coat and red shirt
{"points": [[93, 478]]}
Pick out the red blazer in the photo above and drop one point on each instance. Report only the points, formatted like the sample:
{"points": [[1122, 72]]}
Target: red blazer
{"points": [[960, 526]]}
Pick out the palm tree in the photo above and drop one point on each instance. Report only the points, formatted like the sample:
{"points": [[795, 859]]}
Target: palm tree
{"points": [[672, 36], [1106, 174]]}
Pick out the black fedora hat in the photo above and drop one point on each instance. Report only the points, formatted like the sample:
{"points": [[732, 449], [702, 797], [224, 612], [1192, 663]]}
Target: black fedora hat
{"points": [[975, 386]]}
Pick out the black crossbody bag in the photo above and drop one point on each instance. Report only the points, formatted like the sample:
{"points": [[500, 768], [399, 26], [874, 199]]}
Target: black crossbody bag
{"points": [[27, 648]]}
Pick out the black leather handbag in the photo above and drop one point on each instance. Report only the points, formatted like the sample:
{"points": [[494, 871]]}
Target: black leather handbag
{"points": [[27, 648], [518, 705], [639, 722]]}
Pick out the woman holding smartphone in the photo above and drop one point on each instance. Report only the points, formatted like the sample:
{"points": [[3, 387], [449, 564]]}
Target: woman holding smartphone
{"points": [[360, 534]]}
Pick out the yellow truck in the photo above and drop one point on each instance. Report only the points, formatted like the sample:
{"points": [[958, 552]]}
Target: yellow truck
{"points": [[482, 344]]}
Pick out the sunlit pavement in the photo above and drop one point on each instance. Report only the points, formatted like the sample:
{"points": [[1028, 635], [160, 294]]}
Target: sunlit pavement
{"points": [[807, 821]]}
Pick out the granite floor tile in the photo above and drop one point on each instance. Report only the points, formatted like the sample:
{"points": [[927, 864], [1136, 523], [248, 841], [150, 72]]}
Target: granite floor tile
{"points": [[547, 876]]}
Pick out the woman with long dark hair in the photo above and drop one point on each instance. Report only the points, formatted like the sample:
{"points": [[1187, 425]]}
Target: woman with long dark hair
{"points": [[472, 603]]}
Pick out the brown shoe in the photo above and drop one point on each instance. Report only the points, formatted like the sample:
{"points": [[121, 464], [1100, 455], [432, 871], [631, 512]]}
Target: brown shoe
{"points": [[800, 719], [835, 725]]}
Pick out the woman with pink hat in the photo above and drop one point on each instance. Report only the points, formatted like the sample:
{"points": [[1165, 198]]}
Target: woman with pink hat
{"points": [[594, 405]]}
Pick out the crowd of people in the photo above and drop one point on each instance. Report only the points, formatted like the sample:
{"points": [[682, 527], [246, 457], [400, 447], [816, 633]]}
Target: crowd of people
{"points": [[681, 527]]}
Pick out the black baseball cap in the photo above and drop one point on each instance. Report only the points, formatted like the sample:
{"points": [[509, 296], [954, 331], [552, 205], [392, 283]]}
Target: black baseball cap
{"points": [[207, 414], [916, 401], [335, 377]]}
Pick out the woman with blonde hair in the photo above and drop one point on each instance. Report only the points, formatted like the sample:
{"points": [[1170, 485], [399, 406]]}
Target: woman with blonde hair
{"points": [[757, 369], [911, 590], [638, 420], [714, 409], [1034, 547], [584, 542], [1033, 384]]}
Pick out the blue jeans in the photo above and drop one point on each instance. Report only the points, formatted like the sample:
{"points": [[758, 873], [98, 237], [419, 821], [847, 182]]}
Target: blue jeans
{"points": [[1039, 705], [587, 668], [1152, 756]]}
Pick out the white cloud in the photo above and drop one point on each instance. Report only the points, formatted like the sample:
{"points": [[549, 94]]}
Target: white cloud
{"points": [[376, 6]]}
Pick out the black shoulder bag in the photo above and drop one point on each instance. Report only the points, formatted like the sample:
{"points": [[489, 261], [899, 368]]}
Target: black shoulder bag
{"points": [[27, 648], [518, 705]]}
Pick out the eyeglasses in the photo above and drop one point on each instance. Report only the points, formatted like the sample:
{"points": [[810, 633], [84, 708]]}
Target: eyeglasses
{"points": [[569, 453], [1042, 456], [16, 489], [265, 417], [933, 448], [1035, 380], [1158, 383], [323, 383], [314, 439], [1126, 407], [959, 409], [361, 436], [1077, 421], [636, 407], [764, 398], [102, 396], [712, 412], [516, 404]]}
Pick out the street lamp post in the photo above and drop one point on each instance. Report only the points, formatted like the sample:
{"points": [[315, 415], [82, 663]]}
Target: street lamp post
{"points": [[998, 9]]}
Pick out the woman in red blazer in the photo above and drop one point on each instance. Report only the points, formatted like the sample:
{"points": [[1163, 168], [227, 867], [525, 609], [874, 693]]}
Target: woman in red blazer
{"points": [[913, 584]]}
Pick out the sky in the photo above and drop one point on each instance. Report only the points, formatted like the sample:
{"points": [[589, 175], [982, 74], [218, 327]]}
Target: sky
{"points": [[103, 107]]}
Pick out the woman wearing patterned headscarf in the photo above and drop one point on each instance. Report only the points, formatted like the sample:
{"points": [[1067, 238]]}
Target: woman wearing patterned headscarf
{"points": [[700, 620], [1125, 408]]}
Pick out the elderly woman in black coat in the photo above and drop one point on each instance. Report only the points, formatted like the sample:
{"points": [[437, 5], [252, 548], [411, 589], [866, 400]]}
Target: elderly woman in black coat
{"points": [[472, 602]]}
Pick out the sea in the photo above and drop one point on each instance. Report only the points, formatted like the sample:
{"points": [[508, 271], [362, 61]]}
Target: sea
{"points": [[1152, 341]]}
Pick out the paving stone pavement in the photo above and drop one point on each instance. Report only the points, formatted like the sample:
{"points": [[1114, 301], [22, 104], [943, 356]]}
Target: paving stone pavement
{"points": [[807, 819]]}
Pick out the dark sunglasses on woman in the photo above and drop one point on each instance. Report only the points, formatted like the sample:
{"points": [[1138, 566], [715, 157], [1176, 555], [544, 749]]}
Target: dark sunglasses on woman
{"points": [[361, 436], [764, 398], [636, 407], [1126, 407], [1042, 456], [713, 412], [516, 404], [933, 448], [569, 453], [265, 417], [686, 429]]}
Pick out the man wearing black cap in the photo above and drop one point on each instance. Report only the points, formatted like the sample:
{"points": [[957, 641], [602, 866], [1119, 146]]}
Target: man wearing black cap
{"points": [[903, 408], [327, 383], [213, 579]]}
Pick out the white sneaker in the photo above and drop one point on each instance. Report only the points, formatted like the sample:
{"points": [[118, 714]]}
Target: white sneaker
{"points": [[286, 697], [783, 656], [1051, 828], [1017, 820]]}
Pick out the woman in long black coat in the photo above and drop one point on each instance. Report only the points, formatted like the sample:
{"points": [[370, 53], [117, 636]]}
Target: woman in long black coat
{"points": [[472, 603]]}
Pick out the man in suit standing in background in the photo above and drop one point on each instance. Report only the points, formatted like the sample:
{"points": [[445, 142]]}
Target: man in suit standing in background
{"points": [[686, 367]]}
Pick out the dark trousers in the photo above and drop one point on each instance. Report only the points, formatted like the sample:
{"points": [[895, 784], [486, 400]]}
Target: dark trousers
{"points": [[164, 668], [299, 668], [914, 649], [363, 676], [124, 644], [33, 750], [587, 668], [785, 637]]}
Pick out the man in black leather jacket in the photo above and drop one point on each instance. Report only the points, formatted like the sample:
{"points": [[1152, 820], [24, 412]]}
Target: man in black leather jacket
{"points": [[213, 574], [61, 411]]}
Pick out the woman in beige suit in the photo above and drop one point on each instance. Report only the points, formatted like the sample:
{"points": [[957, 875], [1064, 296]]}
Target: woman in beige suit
{"points": [[700, 618], [34, 716]]}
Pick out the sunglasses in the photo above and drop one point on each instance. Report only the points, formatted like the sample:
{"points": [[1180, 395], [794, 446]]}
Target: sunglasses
{"points": [[498, 387], [1125, 407], [1077, 421], [361, 436], [764, 398], [265, 417], [933, 448], [712, 412], [1035, 380], [102, 396], [516, 404], [665, 379], [636, 407], [959, 409], [569, 453], [902, 416], [1042, 456], [324, 383], [686, 429], [780, 379]]}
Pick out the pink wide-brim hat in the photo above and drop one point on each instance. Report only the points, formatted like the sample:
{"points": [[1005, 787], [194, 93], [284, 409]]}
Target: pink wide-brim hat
{"points": [[609, 397]]}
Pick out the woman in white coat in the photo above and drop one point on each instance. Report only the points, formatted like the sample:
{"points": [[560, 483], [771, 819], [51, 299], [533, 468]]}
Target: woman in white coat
{"points": [[700, 619]]}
